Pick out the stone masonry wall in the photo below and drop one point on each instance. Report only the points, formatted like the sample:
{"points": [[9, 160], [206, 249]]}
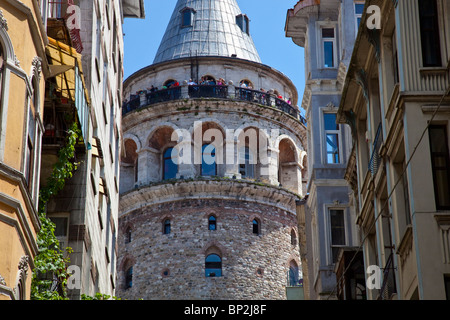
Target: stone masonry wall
{"points": [[253, 266]]}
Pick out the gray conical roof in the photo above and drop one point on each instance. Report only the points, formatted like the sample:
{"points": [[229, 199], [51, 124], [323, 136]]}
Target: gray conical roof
{"points": [[214, 32]]}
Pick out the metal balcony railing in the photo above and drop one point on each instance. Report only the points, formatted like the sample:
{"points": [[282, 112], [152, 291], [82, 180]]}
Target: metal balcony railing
{"points": [[209, 91], [375, 159], [388, 287]]}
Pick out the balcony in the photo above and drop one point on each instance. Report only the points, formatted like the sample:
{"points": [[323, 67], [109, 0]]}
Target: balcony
{"points": [[294, 287], [146, 98], [375, 159], [66, 97]]}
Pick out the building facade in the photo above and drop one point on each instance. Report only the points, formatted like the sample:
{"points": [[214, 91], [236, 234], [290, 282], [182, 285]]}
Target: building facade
{"points": [[85, 52], [395, 100], [326, 30], [23, 69], [213, 166]]}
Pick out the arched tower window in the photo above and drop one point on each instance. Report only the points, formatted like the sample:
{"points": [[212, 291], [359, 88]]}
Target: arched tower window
{"points": [[170, 168], [129, 278], [293, 279], [256, 226], [212, 223], [166, 226], [246, 163], [293, 238], [169, 83], [213, 265], [209, 165]]}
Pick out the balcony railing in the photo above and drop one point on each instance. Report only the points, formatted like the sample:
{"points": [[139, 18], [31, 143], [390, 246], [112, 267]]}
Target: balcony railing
{"points": [[145, 98], [375, 159], [388, 287]]}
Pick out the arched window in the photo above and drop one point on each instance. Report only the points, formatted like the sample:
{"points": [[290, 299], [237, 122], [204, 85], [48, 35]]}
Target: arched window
{"points": [[2, 60], [212, 223], [246, 84], [166, 226], [293, 237], [209, 166], [170, 83], [246, 163], [256, 226], [128, 235], [293, 279], [208, 80], [170, 168], [213, 265], [129, 278]]}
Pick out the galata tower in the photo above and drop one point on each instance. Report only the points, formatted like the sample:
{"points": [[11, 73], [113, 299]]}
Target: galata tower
{"points": [[213, 166]]}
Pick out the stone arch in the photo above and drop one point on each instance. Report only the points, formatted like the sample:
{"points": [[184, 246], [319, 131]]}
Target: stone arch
{"points": [[214, 247], [289, 171], [5, 42], [135, 138], [209, 77], [127, 261], [22, 273], [247, 83], [169, 82], [158, 141], [129, 165], [160, 137]]}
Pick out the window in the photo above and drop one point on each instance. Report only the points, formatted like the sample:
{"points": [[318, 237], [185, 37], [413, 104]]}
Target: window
{"points": [[332, 137], [359, 10], [447, 286], [441, 165], [328, 48], [244, 23], [187, 17], [337, 231], [170, 168], [2, 60], [256, 227], [166, 226], [429, 32], [212, 223], [293, 238], [293, 274], [129, 278], [395, 57], [128, 235], [209, 167], [213, 266], [246, 163], [29, 150]]}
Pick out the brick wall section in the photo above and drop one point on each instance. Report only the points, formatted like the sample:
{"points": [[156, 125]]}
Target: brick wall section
{"points": [[182, 252]]}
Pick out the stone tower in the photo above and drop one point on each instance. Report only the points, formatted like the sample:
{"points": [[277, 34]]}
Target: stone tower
{"points": [[213, 166]]}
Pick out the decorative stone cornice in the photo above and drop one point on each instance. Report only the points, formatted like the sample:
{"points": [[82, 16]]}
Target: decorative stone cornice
{"points": [[23, 264], [177, 190], [37, 65], [3, 22]]}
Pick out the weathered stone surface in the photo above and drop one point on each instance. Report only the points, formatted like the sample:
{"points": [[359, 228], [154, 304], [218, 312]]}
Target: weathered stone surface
{"points": [[182, 252]]}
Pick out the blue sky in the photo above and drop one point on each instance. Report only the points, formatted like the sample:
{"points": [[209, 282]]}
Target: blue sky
{"points": [[268, 17]]}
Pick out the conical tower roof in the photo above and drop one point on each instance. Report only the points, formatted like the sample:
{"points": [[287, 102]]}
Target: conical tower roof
{"points": [[207, 28]]}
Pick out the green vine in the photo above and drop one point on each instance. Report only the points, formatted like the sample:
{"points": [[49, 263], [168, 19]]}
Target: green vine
{"points": [[50, 262]]}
